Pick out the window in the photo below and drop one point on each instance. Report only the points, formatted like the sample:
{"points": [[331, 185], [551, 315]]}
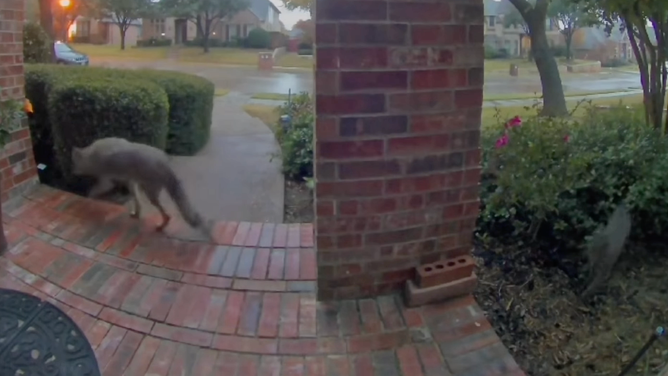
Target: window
{"points": [[491, 21], [245, 31], [83, 28], [158, 27]]}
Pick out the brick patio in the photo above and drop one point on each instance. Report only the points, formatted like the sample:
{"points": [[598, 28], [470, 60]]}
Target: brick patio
{"points": [[247, 306]]}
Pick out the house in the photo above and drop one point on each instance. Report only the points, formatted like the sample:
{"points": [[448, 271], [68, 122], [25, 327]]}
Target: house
{"points": [[512, 38], [295, 37], [260, 14], [594, 43], [104, 31]]}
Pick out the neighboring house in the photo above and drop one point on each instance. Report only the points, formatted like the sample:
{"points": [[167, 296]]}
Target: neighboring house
{"points": [[104, 31], [513, 38], [593, 43], [295, 37], [261, 14]]}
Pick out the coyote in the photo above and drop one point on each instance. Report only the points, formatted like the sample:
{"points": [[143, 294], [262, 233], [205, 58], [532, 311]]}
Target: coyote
{"points": [[605, 247], [138, 166]]}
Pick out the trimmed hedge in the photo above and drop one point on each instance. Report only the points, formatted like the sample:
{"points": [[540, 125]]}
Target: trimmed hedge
{"points": [[154, 42], [76, 105], [190, 109], [87, 108]]}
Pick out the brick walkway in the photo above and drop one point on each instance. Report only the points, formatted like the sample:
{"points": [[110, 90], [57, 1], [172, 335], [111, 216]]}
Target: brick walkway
{"points": [[156, 305]]}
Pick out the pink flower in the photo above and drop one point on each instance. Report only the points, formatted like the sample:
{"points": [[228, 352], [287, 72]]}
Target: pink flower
{"points": [[514, 122], [502, 141], [567, 138]]}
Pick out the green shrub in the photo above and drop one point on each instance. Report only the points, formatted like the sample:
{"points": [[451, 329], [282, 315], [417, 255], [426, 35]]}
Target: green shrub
{"points": [[199, 42], [299, 106], [258, 38], [154, 42], [305, 52], [496, 53], [96, 104], [296, 140], [557, 180], [37, 46], [190, 109], [558, 51], [297, 148]]}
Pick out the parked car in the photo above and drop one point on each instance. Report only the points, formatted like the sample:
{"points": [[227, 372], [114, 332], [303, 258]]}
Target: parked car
{"points": [[65, 54]]}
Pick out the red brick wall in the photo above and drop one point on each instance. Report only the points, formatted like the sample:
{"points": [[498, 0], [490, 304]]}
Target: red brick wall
{"points": [[398, 103], [17, 162]]}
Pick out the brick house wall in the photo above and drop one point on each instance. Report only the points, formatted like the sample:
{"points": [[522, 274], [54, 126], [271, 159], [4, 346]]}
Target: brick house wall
{"points": [[398, 106], [17, 162]]}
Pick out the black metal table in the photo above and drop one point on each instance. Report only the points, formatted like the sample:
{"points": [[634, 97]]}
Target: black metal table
{"points": [[37, 338]]}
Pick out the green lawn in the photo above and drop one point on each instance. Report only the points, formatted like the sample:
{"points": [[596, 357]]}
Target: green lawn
{"points": [[269, 115], [105, 51], [271, 96], [503, 65], [513, 96], [217, 55], [242, 56]]}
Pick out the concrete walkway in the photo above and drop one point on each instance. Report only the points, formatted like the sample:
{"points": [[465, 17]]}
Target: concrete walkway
{"points": [[233, 176]]}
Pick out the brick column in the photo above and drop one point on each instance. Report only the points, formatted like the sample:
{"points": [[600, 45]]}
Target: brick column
{"points": [[17, 162], [398, 105]]}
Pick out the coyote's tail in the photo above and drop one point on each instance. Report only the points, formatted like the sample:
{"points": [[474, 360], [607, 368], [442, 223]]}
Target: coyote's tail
{"points": [[176, 192]]}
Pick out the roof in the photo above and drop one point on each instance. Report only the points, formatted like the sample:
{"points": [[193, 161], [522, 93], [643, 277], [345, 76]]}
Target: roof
{"points": [[497, 8], [296, 33], [597, 35], [135, 22], [261, 8]]}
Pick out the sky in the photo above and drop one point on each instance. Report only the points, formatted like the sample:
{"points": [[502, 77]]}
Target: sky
{"points": [[289, 17]]}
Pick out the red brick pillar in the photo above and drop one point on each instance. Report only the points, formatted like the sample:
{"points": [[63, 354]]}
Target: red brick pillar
{"points": [[398, 105], [17, 162]]}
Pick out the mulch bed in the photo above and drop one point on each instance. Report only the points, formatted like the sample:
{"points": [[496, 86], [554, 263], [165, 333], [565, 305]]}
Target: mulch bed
{"points": [[298, 203], [534, 305]]}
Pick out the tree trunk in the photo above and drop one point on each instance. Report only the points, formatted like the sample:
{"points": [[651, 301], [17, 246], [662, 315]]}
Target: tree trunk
{"points": [[568, 39], [123, 30], [554, 102], [46, 21], [207, 33]]}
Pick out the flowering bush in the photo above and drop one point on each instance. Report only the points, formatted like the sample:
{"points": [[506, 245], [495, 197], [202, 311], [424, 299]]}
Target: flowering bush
{"points": [[558, 179]]}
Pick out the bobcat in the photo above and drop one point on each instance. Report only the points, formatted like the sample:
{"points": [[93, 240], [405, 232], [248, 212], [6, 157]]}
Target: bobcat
{"points": [[139, 166], [605, 247]]}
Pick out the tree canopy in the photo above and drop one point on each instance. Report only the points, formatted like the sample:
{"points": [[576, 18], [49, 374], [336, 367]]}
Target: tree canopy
{"points": [[645, 23], [571, 16], [205, 14]]}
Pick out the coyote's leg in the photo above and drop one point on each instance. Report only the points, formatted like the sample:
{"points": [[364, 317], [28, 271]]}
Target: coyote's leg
{"points": [[102, 186], [135, 212], [153, 195]]}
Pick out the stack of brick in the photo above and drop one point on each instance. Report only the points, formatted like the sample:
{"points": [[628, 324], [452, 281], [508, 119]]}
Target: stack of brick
{"points": [[441, 280]]}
